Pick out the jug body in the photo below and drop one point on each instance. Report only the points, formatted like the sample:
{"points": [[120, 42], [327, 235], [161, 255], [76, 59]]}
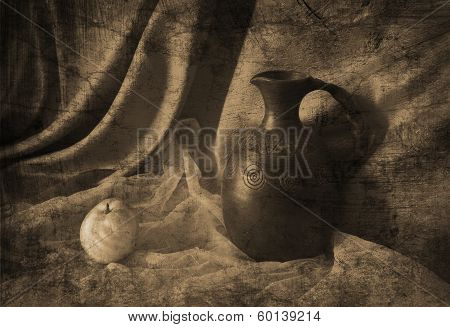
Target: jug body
{"points": [[277, 181]]}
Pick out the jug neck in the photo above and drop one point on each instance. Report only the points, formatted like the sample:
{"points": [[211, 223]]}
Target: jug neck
{"points": [[282, 92]]}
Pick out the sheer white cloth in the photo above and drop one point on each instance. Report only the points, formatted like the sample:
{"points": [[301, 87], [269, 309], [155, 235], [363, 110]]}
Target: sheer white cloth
{"points": [[184, 257]]}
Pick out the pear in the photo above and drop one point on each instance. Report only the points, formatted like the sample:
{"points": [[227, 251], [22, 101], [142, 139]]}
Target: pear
{"points": [[109, 231]]}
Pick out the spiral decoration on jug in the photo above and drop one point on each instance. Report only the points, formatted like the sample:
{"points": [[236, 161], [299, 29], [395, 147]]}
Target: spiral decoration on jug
{"points": [[288, 184], [254, 177]]}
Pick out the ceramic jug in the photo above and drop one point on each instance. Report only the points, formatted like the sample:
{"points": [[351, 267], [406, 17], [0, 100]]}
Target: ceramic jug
{"points": [[277, 181]]}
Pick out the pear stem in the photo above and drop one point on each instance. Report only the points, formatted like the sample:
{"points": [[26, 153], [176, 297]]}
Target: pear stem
{"points": [[107, 210]]}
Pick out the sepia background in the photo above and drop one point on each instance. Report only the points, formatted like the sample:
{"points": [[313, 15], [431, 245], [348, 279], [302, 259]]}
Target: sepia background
{"points": [[79, 78]]}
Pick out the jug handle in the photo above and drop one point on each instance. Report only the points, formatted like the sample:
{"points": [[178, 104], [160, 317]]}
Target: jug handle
{"points": [[353, 115]]}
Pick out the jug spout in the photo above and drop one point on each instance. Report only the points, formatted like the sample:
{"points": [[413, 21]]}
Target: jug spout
{"points": [[280, 76], [282, 92]]}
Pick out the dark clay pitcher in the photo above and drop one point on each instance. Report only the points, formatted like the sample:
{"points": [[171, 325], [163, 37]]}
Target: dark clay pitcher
{"points": [[278, 185]]}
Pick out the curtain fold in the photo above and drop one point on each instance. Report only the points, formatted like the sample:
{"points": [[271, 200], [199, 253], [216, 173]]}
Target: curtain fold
{"points": [[132, 75]]}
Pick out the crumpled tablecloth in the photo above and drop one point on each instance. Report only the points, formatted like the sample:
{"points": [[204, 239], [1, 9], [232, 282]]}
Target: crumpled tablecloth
{"points": [[184, 258]]}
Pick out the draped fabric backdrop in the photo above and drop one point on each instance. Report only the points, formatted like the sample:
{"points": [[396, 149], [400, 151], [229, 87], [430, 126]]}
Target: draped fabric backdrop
{"points": [[84, 82]]}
